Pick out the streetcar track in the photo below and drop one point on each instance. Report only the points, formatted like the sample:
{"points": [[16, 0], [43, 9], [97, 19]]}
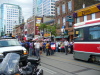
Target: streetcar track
{"points": [[71, 64], [59, 68]]}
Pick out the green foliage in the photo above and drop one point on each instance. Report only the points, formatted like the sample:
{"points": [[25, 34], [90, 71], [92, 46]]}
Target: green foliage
{"points": [[51, 29], [42, 26], [48, 28]]}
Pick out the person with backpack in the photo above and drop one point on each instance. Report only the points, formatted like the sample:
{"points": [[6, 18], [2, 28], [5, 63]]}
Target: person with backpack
{"points": [[27, 45]]}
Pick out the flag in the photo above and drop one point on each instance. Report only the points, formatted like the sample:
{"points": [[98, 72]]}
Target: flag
{"points": [[53, 46]]}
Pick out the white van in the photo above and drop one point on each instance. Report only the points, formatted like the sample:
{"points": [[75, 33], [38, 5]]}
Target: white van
{"points": [[9, 45]]}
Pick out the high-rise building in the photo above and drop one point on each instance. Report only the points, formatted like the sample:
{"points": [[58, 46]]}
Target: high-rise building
{"points": [[11, 15], [44, 7]]}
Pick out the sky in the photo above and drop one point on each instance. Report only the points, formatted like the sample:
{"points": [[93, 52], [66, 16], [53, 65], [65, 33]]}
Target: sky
{"points": [[26, 6]]}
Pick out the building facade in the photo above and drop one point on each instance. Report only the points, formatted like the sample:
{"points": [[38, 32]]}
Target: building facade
{"points": [[64, 17], [44, 7], [11, 15], [64, 10]]}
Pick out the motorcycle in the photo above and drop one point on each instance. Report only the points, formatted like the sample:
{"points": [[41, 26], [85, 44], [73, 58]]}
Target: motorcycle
{"points": [[11, 66]]}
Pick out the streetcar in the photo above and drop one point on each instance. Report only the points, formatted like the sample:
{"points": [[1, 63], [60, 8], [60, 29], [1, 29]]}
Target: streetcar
{"points": [[87, 41]]}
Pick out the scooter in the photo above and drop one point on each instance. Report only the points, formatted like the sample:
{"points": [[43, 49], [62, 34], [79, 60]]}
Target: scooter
{"points": [[11, 66]]}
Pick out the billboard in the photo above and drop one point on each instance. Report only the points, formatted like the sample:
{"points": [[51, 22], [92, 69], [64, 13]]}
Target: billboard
{"points": [[37, 24]]}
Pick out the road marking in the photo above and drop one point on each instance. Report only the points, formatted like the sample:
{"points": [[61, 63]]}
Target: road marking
{"points": [[57, 58], [48, 70]]}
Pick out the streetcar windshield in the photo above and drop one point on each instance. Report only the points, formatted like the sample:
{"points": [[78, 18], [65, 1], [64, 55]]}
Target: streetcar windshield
{"points": [[79, 34]]}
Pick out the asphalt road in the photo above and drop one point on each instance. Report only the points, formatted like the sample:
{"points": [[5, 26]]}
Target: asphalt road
{"points": [[61, 64]]}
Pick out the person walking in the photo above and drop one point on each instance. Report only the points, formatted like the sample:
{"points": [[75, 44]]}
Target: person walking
{"points": [[62, 46], [37, 49], [57, 46], [71, 47], [41, 47], [27, 45], [53, 47], [47, 48], [66, 46], [44, 46], [30, 48]]}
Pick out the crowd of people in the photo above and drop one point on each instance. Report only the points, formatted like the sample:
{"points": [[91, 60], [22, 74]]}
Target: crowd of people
{"points": [[36, 48]]}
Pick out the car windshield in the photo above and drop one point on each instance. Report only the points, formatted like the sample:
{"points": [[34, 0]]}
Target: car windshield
{"points": [[7, 43]]}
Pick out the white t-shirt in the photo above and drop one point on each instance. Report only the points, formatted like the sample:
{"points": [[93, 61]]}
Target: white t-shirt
{"points": [[57, 43], [66, 43], [37, 45]]}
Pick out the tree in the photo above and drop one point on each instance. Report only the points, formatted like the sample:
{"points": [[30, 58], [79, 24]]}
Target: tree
{"points": [[42, 27], [51, 29]]}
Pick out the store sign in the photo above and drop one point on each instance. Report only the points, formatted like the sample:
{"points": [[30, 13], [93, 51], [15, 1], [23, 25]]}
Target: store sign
{"points": [[47, 35], [38, 21], [69, 18], [70, 33]]}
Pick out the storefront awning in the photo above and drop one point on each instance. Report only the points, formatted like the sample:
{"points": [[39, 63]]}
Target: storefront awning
{"points": [[58, 37], [66, 36]]}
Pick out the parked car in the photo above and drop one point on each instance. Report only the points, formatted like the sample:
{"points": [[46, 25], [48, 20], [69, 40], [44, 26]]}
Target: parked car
{"points": [[11, 45]]}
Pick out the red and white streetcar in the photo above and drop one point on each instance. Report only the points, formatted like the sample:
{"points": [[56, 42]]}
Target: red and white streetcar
{"points": [[87, 40]]}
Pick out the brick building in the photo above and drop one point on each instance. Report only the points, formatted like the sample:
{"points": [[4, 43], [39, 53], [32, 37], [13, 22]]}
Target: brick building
{"points": [[33, 24], [64, 10], [18, 30]]}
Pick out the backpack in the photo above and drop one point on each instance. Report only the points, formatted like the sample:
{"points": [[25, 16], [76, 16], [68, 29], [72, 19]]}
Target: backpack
{"points": [[47, 46], [26, 45]]}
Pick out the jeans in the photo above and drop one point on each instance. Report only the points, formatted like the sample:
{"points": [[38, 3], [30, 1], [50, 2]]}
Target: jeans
{"points": [[44, 49], [47, 52], [57, 49], [52, 52], [30, 52], [66, 50], [37, 53]]}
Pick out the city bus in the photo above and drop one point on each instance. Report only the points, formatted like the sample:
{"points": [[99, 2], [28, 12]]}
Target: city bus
{"points": [[87, 41]]}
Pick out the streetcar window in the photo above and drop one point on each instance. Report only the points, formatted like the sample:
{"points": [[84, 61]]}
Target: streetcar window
{"points": [[79, 34], [94, 33]]}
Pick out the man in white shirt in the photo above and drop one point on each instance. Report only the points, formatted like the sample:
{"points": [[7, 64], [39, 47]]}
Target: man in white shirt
{"points": [[57, 46], [37, 49], [66, 46]]}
